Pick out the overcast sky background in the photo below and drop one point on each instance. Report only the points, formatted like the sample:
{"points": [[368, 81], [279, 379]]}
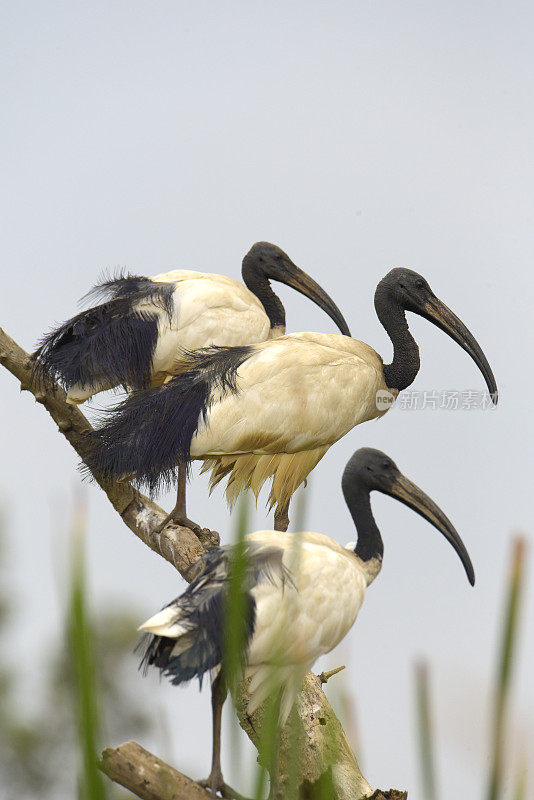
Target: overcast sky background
{"points": [[358, 136]]}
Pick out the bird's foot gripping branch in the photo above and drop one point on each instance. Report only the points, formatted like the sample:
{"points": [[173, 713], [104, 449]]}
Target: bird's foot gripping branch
{"points": [[320, 754]]}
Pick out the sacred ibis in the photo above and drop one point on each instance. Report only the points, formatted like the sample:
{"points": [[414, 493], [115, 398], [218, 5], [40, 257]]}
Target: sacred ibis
{"points": [[273, 409], [303, 592], [136, 336]]}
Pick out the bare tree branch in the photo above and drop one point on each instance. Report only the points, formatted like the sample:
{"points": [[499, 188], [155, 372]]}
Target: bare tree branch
{"points": [[324, 677], [178, 545], [324, 746], [146, 776]]}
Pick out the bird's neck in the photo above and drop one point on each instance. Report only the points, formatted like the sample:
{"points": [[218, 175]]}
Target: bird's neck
{"points": [[258, 283], [369, 545], [405, 365]]}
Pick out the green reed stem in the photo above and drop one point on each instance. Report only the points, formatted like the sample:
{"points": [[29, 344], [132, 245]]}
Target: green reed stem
{"points": [[425, 732], [81, 648], [505, 665]]}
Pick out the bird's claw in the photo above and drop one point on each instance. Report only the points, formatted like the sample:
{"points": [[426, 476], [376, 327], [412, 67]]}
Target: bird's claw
{"points": [[179, 519], [206, 537], [209, 538], [215, 784]]}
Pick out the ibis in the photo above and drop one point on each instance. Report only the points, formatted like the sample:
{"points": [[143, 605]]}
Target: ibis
{"points": [[303, 592], [273, 409], [134, 337]]}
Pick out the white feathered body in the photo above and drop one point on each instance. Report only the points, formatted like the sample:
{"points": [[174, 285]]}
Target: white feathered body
{"points": [[298, 619], [208, 309], [297, 624], [297, 395]]}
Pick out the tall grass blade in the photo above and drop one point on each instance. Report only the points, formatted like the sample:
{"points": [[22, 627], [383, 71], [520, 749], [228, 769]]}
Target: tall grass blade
{"points": [[300, 514], [505, 665], [520, 788], [269, 740], [341, 697], [295, 730], [425, 732], [234, 633], [81, 649], [236, 600]]}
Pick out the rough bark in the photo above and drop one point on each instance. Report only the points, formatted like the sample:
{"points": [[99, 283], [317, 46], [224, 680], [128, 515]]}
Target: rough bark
{"points": [[313, 738], [324, 747], [146, 776], [391, 794]]}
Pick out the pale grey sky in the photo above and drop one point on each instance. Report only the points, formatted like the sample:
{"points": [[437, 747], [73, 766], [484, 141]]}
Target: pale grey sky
{"points": [[358, 136]]}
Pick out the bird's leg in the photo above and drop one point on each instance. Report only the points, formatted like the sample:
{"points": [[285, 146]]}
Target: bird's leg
{"points": [[215, 782], [178, 514], [281, 518]]}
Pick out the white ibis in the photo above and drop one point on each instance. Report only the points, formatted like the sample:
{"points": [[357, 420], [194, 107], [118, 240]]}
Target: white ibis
{"points": [[275, 408], [134, 337], [303, 592]]}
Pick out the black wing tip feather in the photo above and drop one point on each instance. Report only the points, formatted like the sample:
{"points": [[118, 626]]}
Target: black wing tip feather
{"points": [[201, 611], [108, 343], [149, 434], [126, 286], [157, 651], [203, 654], [146, 646], [218, 364], [40, 371], [110, 283]]}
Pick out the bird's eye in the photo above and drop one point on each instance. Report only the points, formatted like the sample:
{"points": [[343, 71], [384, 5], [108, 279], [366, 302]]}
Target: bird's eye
{"points": [[386, 465], [401, 286], [420, 284]]}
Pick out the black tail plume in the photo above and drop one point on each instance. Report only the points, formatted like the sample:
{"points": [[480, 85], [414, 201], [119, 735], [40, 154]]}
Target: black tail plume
{"points": [[193, 662], [200, 613], [135, 286], [200, 653], [111, 343], [149, 434]]}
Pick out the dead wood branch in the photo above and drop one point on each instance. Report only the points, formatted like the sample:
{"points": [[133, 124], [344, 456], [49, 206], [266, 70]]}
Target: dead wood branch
{"points": [[147, 776], [324, 677]]}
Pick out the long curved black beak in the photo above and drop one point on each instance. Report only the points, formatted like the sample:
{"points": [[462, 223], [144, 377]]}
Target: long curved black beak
{"points": [[301, 281], [412, 496], [442, 316]]}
